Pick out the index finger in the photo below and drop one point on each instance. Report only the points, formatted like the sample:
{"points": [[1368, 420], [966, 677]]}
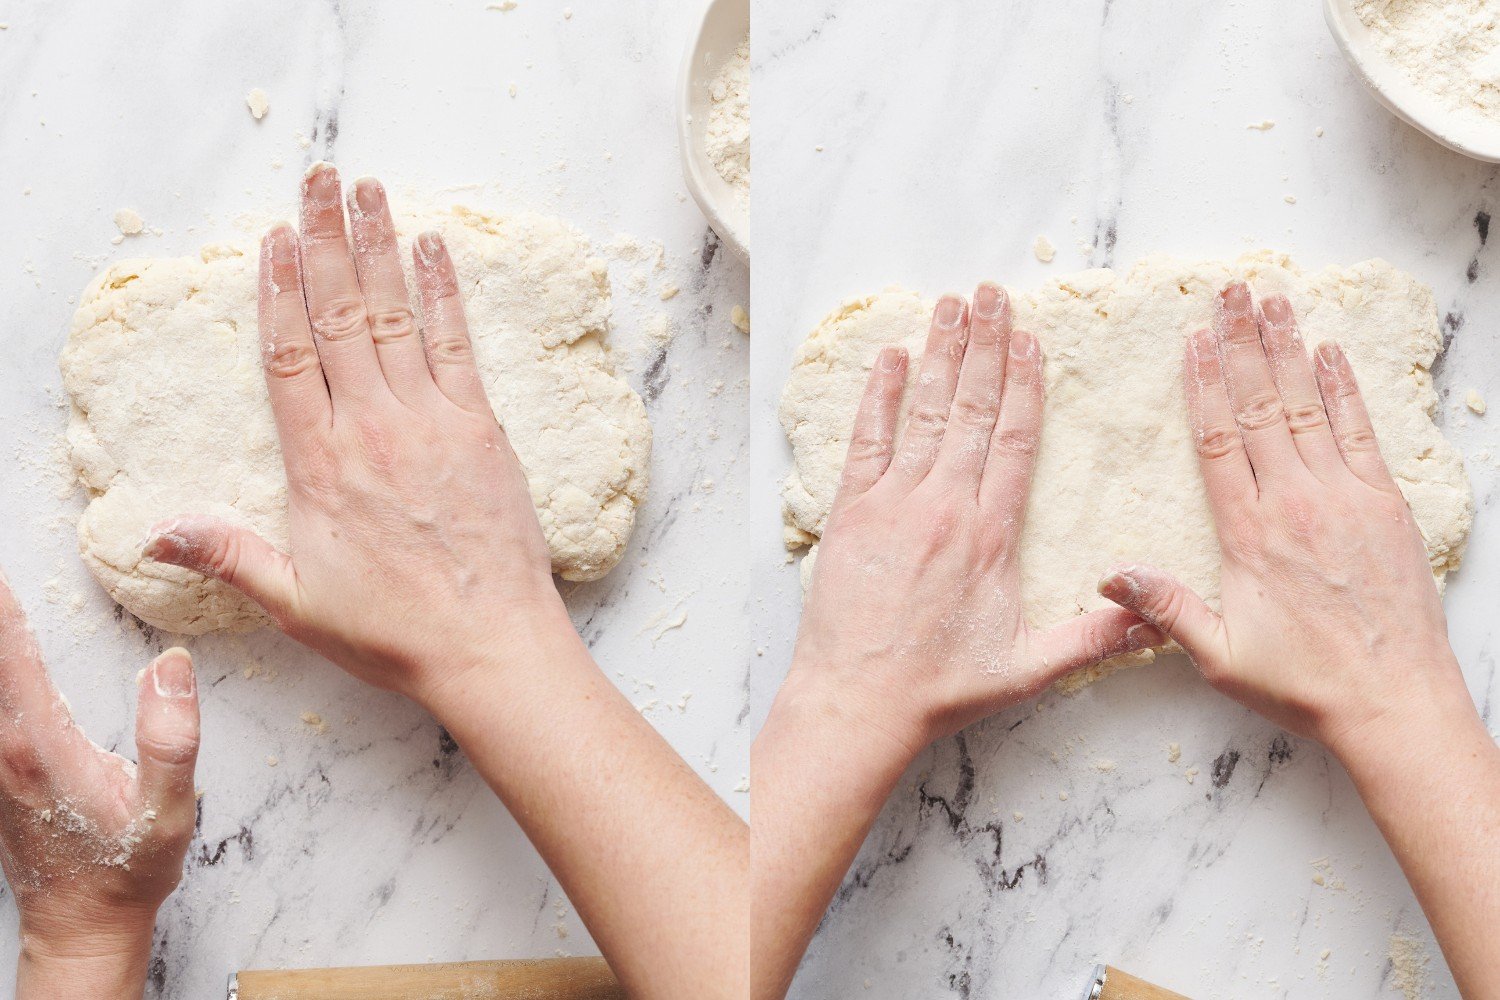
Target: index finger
{"points": [[28, 701]]}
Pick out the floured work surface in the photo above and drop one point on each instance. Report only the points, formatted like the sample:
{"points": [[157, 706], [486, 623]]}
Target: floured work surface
{"points": [[1117, 474]]}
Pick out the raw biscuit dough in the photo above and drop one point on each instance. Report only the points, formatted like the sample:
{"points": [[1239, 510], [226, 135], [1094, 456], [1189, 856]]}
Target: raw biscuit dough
{"points": [[170, 413], [1117, 475]]}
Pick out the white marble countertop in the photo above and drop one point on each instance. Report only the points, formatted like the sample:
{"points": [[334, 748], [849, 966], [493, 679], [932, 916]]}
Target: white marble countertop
{"points": [[951, 135], [372, 843]]}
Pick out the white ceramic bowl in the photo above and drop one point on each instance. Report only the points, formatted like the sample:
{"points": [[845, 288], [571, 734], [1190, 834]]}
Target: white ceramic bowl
{"points": [[1468, 134], [726, 23]]}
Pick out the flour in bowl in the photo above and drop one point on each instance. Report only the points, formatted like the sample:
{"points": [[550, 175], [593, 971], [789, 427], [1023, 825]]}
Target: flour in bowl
{"points": [[728, 138], [1448, 48]]}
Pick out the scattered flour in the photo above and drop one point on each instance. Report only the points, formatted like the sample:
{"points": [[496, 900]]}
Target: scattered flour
{"points": [[728, 135], [1409, 967], [1451, 49]]}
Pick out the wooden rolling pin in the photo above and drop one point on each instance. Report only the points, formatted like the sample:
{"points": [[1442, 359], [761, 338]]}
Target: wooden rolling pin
{"points": [[548, 979], [1110, 983]]}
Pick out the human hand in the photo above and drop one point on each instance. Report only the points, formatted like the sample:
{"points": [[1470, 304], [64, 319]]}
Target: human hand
{"points": [[1330, 624], [415, 548], [91, 844], [915, 614]]}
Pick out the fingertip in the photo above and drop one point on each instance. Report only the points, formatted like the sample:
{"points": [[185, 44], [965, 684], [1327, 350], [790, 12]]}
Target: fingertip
{"points": [[367, 197], [951, 312], [891, 360], [429, 250], [991, 301], [1024, 347], [172, 675], [1277, 310]]}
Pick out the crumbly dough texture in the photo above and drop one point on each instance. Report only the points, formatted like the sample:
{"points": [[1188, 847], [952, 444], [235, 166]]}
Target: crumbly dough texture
{"points": [[170, 413], [1117, 475], [728, 133]]}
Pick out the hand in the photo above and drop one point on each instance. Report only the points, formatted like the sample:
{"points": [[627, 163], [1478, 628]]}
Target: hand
{"points": [[91, 844], [915, 612], [415, 548], [1330, 623]]}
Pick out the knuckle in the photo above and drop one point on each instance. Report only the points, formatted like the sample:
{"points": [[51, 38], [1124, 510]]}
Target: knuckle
{"points": [[393, 325], [868, 447], [290, 358], [169, 749], [450, 348], [925, 418], [1020, 442], [1305, 418], [21, 760], [1218, 442], [975, 411], [1260, 410], [1360, 439], [341, 319]]}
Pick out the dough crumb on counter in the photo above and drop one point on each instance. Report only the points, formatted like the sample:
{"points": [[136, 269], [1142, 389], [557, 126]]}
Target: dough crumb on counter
{"points": [[740, 318], [1191, 774], [315, 722], [1409, 961], [1044, 250], [502, 6], [258, 103], [129, 222], [1262, 126], [1174, 752], [1475, 402], [1290, 199]]}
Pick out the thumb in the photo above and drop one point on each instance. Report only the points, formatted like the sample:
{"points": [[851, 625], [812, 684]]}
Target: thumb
{"points": [[1091, 638], [1165, 602], [166, 737], [237, 556]]}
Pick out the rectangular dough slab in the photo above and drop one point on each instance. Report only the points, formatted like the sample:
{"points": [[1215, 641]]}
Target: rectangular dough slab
{"points": [[1117, 475]]}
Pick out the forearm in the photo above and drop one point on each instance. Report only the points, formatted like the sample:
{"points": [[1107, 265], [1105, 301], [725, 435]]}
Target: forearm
{"points": [[820, 779], [109, 965], [654, 861], [1432, 784]]}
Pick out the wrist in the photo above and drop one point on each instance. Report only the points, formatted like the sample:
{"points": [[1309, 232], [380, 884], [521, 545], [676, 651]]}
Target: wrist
{"points": [[537, 646], [868, 740], [80, 956], [1433, 715]]}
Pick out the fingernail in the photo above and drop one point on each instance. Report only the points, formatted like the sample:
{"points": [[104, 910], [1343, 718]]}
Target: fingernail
{"points": [[172, 674], [1118, 583], [1277, 310], [430, 249], [1329, 356], [322, 185], [892, 360], [369, 196], [989, 300], [950, 311], [281, 243], [1236, 299], [1023, 345]]}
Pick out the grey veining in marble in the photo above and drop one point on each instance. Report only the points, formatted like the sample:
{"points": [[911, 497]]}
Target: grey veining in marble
{"points": [[930, 145], [374, 842]]}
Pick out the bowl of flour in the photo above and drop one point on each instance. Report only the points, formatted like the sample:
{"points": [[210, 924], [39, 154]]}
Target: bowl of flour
{"points": [[714, 121], [1434, 63]]}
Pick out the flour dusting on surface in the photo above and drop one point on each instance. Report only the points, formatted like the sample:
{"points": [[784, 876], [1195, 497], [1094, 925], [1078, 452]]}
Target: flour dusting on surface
{"points": [[1450, 50]]}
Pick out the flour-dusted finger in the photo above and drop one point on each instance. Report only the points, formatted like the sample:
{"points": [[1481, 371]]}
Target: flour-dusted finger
{"points": [[976, 402], [1293, 371], [1257, 406], [1087, 640], [28, 703], [235, 555], [445, 332], [932, 398], [393, 326], [874, 435], [294, 376], [1013, 445], [1350, 420], [1220, 446], [1176, 611], [166, 741], [335, 304]]}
